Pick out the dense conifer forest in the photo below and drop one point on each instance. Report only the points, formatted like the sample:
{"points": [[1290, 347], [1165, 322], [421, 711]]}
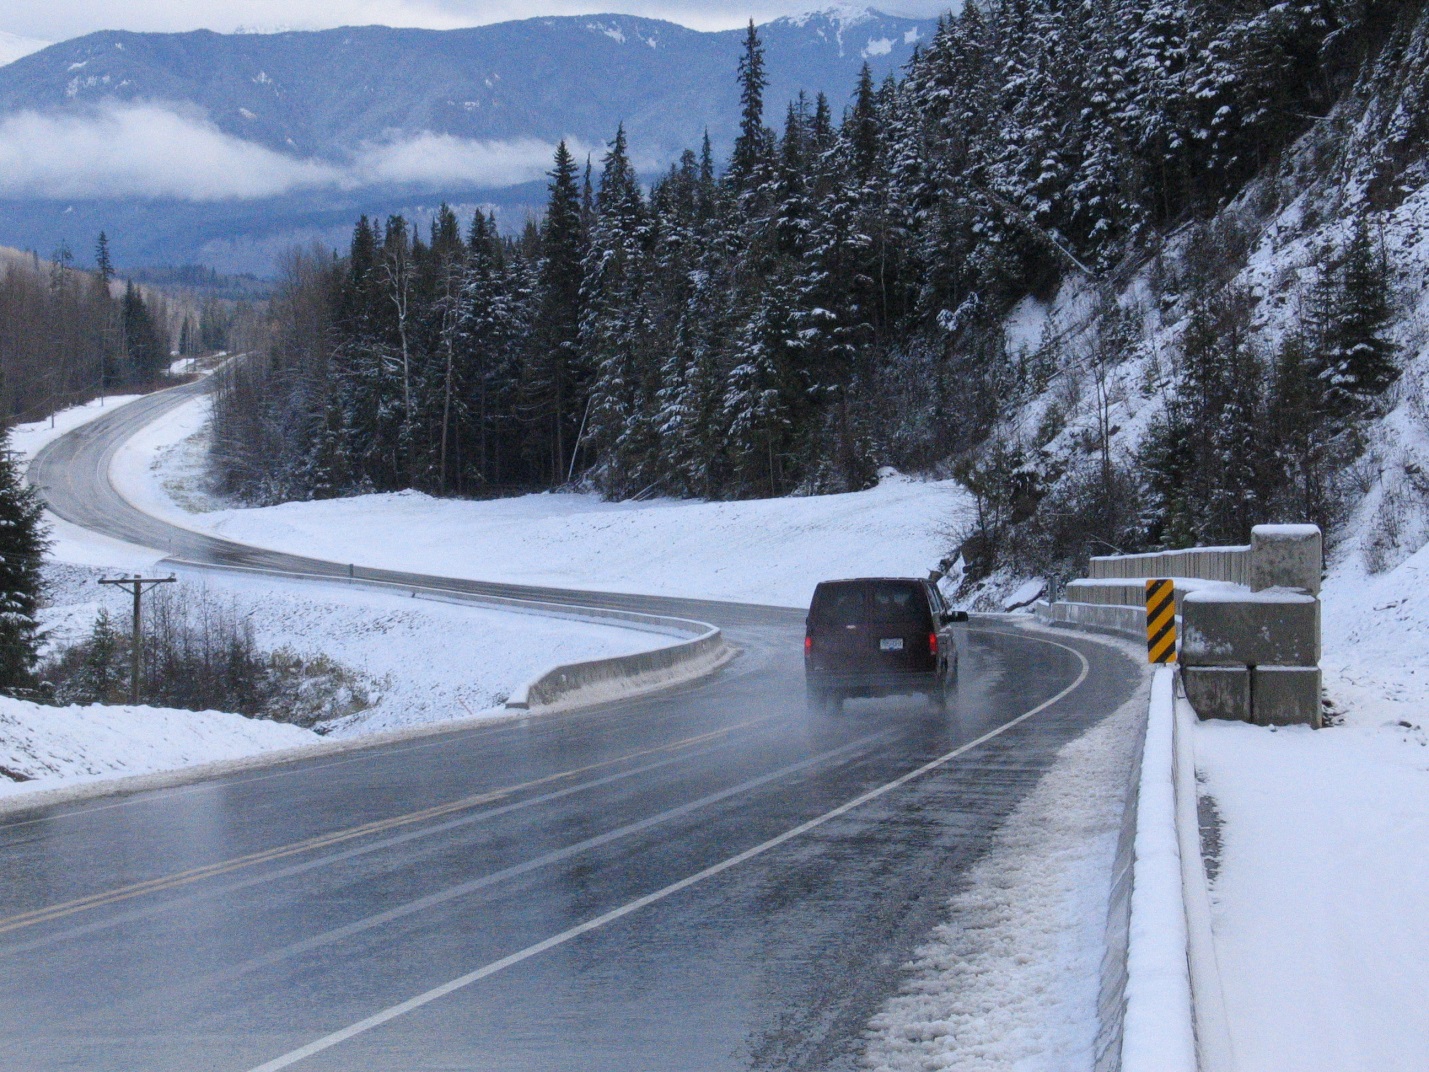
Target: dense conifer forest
{"points": [[831, 298], [66, 336]]}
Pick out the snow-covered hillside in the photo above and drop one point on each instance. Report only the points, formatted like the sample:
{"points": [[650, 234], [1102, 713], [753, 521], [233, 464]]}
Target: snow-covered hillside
{"points": [[1318, 891], [765, 551]]}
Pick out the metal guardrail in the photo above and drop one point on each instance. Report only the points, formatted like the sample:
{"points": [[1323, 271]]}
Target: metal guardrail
{"points": [[1230, 564]]}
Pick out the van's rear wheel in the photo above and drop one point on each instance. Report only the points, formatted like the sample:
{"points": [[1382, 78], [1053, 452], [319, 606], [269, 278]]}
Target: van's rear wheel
{"points": [[824, 701]]}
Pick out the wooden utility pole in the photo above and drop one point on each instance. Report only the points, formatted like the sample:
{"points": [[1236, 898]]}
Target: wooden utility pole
{"points": [[137, 586]]}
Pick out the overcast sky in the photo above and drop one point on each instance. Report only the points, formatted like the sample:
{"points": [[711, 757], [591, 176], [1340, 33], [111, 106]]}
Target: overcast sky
{"points": [[56, 20]]}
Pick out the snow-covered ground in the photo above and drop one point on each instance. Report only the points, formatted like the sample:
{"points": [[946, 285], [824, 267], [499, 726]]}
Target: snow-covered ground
{"points": [[1320, 909], [53, 747], [770, 551], [1013, 982], [1321, 904]]}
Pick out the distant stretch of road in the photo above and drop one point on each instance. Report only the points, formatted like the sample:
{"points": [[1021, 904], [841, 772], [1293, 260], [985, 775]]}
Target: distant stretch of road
{"points": [[704, 879]]}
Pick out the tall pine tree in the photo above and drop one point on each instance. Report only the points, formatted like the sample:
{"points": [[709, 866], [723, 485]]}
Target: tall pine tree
{"points": [[22, 546]]}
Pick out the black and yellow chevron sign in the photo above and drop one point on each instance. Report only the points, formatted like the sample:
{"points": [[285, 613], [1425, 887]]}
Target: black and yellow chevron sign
{"points": [[1161, 621]]}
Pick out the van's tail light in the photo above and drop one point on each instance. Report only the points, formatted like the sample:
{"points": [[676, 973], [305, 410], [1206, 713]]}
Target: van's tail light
{"points": [[808, 644], [932, 643]]}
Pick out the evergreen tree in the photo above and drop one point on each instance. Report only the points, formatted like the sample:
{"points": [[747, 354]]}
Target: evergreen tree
{"points": [[103, 677], [1303, 433], [23, 542], [614, 326], [1349, 312], [557, 379], [102, 263], [145, 350], [751, 147]]}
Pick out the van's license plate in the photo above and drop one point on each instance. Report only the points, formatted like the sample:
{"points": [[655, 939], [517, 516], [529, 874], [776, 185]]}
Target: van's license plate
{"points": [[891, 644]]}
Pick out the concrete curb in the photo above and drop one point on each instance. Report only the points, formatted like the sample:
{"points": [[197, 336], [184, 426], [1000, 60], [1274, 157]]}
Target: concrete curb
{"points": [[125, 785]]}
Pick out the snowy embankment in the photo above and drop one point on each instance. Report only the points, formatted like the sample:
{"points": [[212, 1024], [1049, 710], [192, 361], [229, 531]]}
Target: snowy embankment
{"points": [[51, 747], [1320, 896], [770, 551]]}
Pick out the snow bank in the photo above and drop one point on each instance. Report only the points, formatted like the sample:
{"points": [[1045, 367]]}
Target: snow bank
{"points": [[1321, 906], [770, 551], [50, 747], [1012, 981], [28, 439], [1376, 639]]}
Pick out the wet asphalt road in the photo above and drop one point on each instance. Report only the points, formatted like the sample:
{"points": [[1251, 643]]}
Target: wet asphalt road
{"points": [[229, 924]]}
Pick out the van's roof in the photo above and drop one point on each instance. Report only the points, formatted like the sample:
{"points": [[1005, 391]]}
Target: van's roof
{"points": [[867, 580]]}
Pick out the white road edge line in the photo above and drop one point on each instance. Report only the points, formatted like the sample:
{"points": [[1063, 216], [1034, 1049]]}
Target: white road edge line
{"points": [[327, 1042]]}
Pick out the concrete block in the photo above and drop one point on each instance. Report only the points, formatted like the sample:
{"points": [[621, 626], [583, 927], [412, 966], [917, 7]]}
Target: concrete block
{"points": [[1273, 628], [1286, 696], [1218, 691], [1286, 556]]}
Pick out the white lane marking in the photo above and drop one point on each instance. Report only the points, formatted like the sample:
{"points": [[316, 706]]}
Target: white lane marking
{"points": [[327, 1042]]}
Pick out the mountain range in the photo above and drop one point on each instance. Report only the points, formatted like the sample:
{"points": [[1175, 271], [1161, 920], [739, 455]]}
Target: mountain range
{"points": [[221, 148]]}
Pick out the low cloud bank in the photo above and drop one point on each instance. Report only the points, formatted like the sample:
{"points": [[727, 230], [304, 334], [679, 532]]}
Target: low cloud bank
{"points": [[153, 151]]}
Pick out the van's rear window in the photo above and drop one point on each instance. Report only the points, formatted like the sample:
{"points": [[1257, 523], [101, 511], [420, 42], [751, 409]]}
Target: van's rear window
{"points": [[899, 602], [839, 604]]}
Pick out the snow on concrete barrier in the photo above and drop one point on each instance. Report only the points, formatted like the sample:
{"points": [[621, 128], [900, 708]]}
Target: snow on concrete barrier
{"points": [[1159, 1032], [1213, 1040], [1174, 1015], [1111, 999]]}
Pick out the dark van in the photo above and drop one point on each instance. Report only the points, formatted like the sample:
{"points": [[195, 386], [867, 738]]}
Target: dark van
{"points": [[879, 636]]}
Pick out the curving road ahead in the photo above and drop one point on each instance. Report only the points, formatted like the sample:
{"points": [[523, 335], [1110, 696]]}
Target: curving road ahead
{"points": [[704, 879]]}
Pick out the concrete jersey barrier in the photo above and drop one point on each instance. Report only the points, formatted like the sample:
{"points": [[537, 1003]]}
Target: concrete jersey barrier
{"points": [[620, 676]]}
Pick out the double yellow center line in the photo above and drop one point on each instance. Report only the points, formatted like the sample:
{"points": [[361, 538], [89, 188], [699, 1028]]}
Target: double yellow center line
{"points": [[338, 837]]}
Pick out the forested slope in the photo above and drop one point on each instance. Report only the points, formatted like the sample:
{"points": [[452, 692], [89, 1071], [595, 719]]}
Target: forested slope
{"points": [[1129, 269], [67, 335]]}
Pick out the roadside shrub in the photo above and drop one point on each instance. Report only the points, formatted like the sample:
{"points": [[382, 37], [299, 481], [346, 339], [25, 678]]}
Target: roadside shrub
{"points": [[200, 654]]}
